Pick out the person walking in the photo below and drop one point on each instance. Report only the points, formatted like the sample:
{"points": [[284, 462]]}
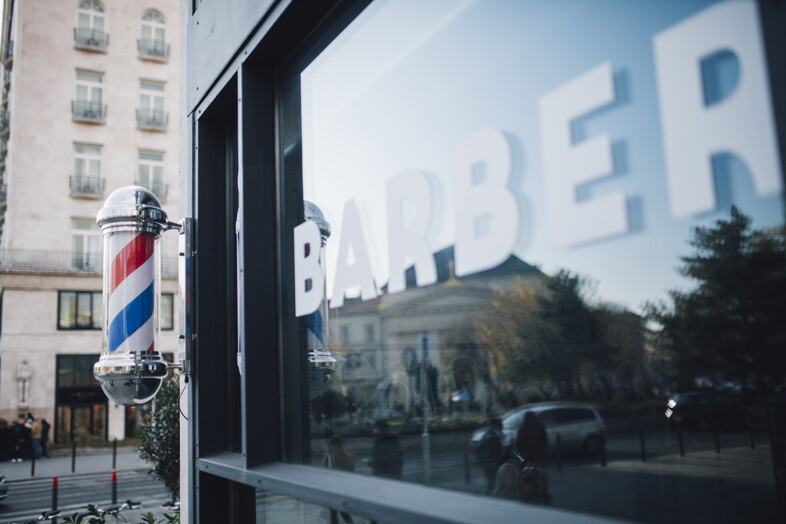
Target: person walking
{"points": [[531, 440], [45, 438], [35, 433]]}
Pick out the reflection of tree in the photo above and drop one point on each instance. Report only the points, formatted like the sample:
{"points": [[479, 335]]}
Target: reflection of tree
{"points": [[731, 327], [557, 336]]}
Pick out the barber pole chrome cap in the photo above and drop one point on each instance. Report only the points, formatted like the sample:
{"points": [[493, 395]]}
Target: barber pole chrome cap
{"points": [[131, 369]]}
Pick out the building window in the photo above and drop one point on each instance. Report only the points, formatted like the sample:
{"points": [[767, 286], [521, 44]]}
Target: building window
{"points": [[343, 334], [152, 42], [85, 245], [167, 311], [151, 114], [85, 180], [80, 310], [369, 332], [90, 32], [88, 105], [150, 173]]}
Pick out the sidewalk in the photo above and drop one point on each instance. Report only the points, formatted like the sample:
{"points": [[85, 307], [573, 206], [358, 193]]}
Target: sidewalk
{"points": [[87, 461]]}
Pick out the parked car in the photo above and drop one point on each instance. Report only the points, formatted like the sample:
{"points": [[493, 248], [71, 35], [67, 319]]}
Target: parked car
{"points": [[579, 426], [3, 487], [704, 410]]}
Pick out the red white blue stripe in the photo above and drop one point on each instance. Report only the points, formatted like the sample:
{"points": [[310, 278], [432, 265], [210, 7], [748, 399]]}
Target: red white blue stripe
{"points": [[131, 292]]}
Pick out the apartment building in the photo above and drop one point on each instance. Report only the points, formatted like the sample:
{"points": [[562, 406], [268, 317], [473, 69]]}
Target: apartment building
{"points": [[89, 104]]}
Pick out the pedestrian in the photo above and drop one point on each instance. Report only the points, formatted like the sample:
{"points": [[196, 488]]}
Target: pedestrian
{"points": [[338, 458], [45, 438], [531, 440], [387, 459], [507, 483], [18, 441], [35, 433], [490, 452]]}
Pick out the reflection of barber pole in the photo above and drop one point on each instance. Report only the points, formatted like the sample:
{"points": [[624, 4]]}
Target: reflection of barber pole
{"points": [[316, 330], [131, 291]]}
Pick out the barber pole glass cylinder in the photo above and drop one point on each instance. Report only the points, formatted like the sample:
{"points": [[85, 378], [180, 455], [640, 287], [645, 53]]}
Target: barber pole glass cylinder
{"points": [[131, 368]]}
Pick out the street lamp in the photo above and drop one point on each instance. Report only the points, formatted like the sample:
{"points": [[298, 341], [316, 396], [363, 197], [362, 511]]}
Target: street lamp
{"points": [[131, 369]]}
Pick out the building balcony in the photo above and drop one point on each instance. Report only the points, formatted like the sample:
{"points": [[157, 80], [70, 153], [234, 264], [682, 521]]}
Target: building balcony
{"points": [[65, 262], [3, 146], [7, 78], [159, 189], [86, 186], [151, 119], [91, 39], [3, 194], [87, 111], [156, 50], [5, 98]]}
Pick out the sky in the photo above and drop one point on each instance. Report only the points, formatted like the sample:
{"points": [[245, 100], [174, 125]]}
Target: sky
{"points": [[408, 82]]}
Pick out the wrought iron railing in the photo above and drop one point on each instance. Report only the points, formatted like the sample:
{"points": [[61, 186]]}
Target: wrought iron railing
{"points": [[159, 189], [91, 38], [89, 111], [3, 194], [7, 77], [86, 185], [5, 120], [149, 48], [46, 261], [9, 51], [151, 118]]}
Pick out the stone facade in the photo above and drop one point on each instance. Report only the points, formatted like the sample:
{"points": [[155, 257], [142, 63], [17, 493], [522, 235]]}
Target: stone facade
{"points": [[44, 49]]}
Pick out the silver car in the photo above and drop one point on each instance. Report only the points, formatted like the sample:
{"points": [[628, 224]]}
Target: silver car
{"points": [[579, 426]]}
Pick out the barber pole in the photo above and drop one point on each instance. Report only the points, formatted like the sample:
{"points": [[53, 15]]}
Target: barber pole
{"points": [[131, 367], [131, 292]]}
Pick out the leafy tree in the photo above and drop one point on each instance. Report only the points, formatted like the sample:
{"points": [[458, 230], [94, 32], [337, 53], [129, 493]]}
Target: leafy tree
{"points": [[160, 437], [731, 326], [555, 335]]}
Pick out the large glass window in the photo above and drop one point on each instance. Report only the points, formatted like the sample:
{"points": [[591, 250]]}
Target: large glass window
{"points": [[79, 310], [86, 248], [167, 311], [90, 25], [88, 104], [151, 112], [152, 32], [534, 210], [86, 175], [150, 173]]}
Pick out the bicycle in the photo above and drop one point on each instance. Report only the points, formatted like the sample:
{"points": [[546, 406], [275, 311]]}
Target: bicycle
{"points": [[96, 515]]}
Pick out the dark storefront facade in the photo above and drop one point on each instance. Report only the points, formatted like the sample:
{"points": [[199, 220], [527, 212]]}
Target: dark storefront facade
{"points": [[564, 209], [80, 404]]}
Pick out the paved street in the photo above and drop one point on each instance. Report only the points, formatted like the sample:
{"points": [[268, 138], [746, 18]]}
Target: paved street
{"points": [[91, 482]]}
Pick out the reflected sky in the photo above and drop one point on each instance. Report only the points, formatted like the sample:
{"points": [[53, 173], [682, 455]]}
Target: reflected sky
{"points": [[409, 80]]}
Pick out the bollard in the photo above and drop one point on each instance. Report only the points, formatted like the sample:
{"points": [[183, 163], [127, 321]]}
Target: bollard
{"points": [[114, 487], [54, 494], [114, 454], [73, 456], [603, 448], [559, 452], [680, 439], [32, 462], [750, 430], [641, 443], [716, 430], [467, 476]]}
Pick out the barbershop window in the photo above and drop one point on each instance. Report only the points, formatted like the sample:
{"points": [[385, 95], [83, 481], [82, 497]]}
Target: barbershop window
{"points": [[79, 310], [545, 277]]}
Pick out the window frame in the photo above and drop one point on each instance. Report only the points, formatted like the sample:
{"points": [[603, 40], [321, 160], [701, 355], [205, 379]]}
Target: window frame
{"points": [[88, 36], [151, 47], [94, 326], [91, 107]]}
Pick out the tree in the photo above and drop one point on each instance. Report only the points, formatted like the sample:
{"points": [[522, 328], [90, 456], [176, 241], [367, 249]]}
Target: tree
{"points": [[555, 335], [731, 326], [160, 437]]}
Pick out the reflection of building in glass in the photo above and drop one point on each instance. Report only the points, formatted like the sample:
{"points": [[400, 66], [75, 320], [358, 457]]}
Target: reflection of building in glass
{"points": [[382, 341]]}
